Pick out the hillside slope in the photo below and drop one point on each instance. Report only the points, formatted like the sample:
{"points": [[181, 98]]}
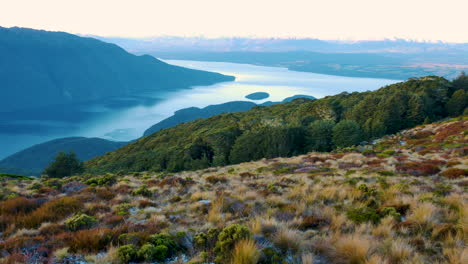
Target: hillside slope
{"points": [[33, 160], [403, 199], [286, 129], [58, 68]]}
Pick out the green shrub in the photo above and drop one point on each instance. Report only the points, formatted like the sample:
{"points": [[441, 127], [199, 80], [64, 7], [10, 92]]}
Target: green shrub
{"points": [[270, 256], [53, 183], [227, 240], [368, 191], [164, 243], [147, 252], [386, 173], [108, 179], [142, 191], [35, 186], [127, 253], [161, 252], [123, 209], [80, 221], [362, 215], [284, 170], [442, 189], [206, 241], [392, 212]]}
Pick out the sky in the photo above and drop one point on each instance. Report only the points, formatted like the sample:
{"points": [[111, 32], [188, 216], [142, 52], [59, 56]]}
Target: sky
{"points": [[421, 20]]}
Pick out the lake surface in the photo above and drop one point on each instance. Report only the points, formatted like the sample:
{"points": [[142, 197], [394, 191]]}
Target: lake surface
{"points": [[129, 122]]}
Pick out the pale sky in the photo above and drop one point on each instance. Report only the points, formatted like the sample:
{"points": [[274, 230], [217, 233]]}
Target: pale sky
{"points": [[431, 20]]}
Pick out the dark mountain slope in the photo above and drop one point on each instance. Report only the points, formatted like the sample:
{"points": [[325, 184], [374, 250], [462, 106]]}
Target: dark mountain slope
{"points": [[33, 160], [39, 68]]}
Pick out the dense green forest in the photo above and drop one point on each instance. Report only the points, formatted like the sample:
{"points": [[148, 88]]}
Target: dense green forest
{"points": [[292, 128]]}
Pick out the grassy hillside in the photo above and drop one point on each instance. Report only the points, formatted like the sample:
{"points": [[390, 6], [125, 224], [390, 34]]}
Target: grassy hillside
{"points": [[59, 68], [33, 160], [401, 200], [289, 129]]}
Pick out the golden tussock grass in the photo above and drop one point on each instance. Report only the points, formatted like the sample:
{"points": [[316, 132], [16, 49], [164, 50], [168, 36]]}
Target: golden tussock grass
{"points": [[245, 252]]}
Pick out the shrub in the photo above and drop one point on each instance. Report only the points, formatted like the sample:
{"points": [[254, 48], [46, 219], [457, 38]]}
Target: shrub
{"points": [[90, 240], [362, 215], [53, 183], [51, 211], [442, 189], [80, 221], [17, 205], [206, 241], [106, 180], [227, 240], [64, 165], [386, 173], [270, 256], [124, 209], [215, 179], [391, 211], [104, 193], [147, 252], [164, 243], [127, 253], [454, 173], [161, 252], [142, 191], [418, 169]]}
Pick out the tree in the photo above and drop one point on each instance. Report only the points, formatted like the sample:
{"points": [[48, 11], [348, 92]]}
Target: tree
{"points": [[64, 165], [461, 82], [457, 103], [373, 128], [319, 136], [347, 133]]}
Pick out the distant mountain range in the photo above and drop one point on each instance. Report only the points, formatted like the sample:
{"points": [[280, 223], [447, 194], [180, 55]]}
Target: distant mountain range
{"points": [[40, 68], [235, 44], [32, 160], [392, 59]]}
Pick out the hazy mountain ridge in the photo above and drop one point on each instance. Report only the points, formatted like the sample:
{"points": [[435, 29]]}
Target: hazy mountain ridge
{"points": [[235, 44], [393, 59], [33, 160]]}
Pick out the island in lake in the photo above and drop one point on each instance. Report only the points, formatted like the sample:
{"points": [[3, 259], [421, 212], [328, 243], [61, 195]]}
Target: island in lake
{"points": [[257, 96]]}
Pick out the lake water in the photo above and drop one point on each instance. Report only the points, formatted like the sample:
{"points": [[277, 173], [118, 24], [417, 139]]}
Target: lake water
{"points": [[127, 123]]}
